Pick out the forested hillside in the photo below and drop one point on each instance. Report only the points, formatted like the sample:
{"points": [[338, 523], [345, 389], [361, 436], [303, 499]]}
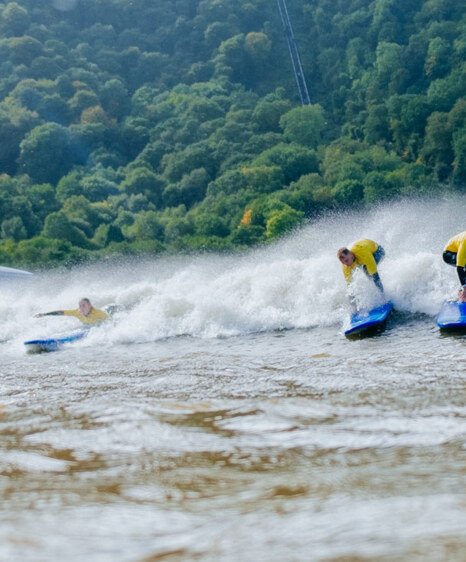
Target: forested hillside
{"points": [[132, 126]]}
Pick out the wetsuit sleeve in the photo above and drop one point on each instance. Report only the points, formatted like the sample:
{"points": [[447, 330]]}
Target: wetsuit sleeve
{"points": [[462, 275], [378, 282]]}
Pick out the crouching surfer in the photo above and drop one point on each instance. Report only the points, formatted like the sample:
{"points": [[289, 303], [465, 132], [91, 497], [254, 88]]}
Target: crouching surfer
{"points": [[365, 254], [454, 254], [85, 312]]}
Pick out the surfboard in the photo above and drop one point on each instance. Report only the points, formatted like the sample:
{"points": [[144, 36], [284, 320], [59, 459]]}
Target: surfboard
{"points": [[53, 344], [452, 316], [369, 321]]}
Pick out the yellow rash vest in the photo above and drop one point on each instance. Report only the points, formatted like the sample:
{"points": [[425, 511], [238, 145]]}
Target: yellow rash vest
{"points": [[95, 316], [363, 251], [457, 244]]}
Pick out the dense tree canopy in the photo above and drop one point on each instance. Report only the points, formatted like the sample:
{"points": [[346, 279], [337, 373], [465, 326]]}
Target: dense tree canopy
{"points": [[152, 126]]}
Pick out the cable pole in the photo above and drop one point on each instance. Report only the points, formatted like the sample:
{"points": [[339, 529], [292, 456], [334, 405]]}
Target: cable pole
{"points": [[294, 53]]}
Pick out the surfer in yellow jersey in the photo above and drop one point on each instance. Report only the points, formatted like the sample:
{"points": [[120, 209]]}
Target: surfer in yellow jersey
{"points": [[86, 313], [454, 254], [362, 253]]}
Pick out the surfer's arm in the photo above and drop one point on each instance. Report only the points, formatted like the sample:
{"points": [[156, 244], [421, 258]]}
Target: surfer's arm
{"points": [[461, 263], [377, 281], [462, 275], [52, 313], [370, 269], [348, 273]]}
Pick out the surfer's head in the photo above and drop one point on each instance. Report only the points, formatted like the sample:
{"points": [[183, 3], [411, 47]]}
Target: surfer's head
{"points": [[346, 256], [85, 306]]}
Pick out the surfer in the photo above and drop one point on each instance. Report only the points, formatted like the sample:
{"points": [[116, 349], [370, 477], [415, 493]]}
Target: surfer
{"points": [[454, 254], [362, 253], [86, 313]]}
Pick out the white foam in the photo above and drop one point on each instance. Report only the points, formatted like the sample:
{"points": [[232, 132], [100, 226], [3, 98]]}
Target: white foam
{"points": [[294, 283]]}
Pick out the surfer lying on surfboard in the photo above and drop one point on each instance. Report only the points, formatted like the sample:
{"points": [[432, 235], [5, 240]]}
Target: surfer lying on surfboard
{"points": [[454, 254], [362, 253], [86, 313]]}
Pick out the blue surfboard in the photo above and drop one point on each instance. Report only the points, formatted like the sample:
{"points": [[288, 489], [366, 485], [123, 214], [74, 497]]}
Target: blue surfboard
{"points": [[366, 322], [452, 316], [53, 344]]}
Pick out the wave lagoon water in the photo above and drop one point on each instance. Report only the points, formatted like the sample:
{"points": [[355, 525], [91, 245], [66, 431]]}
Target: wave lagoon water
{"points": [[222, 415]]}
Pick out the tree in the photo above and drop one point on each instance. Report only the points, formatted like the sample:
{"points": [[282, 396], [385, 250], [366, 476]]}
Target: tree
{"points": [[35, 151], [14, 19], [13, 228], [267, 114], [144, 181], [264, 179], [42, 199], [59, 227], [438, 58], [349, 192], [258, 46], [459, 162], [208, 224], [304, 125], [248, 235], [389, 61], [54, 108], [115, 98], [294, 160], [378, 186], [14, 124], [282, 222], [444, 92], [83, 99], [438, 149], [189, 190], [23, 50], [376, 126], [40, 250], [147, 226]]}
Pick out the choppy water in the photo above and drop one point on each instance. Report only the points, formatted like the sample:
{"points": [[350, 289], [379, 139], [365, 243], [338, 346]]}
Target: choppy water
{"points": [[223, 416]]}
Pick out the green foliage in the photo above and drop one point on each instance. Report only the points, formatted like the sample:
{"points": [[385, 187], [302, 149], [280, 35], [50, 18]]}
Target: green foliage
{"points": [[248, 235], [13, 228], [188, 191], [349, 192], [282, 222], [145, 182], [14, 19], [459, 163], [36, 149], [264, 179], [59, 227], [39, 250], [304, 125], [131, 127], [438, 150], [267, 113], [21, 50], [294, 160], [147, 226]]}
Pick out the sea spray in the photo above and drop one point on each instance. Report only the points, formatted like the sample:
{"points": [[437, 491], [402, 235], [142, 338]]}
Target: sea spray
{"points": [[294, 283]]}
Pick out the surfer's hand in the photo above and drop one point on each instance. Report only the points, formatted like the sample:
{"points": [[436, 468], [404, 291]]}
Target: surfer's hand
{"points": [[39, 315], [462, 295]]}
